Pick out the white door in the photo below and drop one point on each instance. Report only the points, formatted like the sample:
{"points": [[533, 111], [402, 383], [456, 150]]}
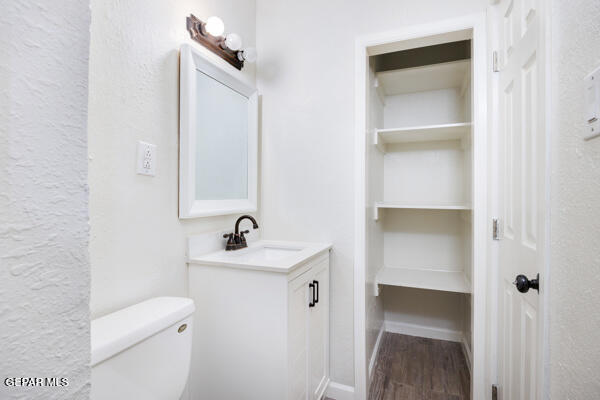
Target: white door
{"points": [[522, 171], [319, 330]]}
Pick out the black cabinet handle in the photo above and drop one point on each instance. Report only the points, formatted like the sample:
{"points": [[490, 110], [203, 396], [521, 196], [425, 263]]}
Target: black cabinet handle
{"points": [[312, 303], [316, 283]]}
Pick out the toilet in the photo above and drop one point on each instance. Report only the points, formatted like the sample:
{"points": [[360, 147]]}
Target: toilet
{"points": [[143, 351]]}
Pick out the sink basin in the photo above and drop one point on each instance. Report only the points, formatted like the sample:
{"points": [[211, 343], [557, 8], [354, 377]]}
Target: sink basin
{"points": [[264, 255]]}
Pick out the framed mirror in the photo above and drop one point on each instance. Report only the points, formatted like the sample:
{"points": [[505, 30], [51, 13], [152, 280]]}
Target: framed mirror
{"points": [[218, 139]]}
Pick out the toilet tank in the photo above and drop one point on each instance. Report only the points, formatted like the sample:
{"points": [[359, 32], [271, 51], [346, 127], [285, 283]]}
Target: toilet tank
{"points": [[143, 351]]}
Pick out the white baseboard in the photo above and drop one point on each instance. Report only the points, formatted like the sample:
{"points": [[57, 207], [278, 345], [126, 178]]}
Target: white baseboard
{"points": [[375, 351], [323, 388], [186, 392], [423, 331], [467, 351], [338, 391]]}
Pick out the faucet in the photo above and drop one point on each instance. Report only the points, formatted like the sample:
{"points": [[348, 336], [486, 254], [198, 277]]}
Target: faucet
{"points": [[237, 240]]}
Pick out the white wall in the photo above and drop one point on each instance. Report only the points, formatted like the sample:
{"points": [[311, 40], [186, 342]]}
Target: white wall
{"points": [[306, 78], [415, 109], [575, 223], [44, 266], [137, 244], [426, 239], [424, 172], [428, 309]]}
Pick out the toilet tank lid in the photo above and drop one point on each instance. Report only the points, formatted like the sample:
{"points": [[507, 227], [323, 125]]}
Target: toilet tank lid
{"points": [[116, 332]]}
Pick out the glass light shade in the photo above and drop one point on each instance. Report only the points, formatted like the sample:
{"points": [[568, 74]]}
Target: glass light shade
{"points": [[214, 26], [249, 54], [233, 41]]}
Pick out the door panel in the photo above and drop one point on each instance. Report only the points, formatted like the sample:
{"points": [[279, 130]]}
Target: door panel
{"points": [[529, 345], [529, 135], [522, 193], [319, 328], [506, 381], [298, 320]]}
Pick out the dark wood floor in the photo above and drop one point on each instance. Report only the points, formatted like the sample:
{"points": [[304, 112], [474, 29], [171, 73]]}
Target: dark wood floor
{"points": [[414, 368]]}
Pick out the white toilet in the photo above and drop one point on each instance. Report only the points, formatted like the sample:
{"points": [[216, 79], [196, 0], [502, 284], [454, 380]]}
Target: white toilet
{"points": [[143, 351]]}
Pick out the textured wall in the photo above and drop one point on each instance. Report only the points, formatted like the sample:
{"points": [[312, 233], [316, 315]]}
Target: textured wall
{"points": [[575, 223], [306, 78], [44, 266], [137, 244]]}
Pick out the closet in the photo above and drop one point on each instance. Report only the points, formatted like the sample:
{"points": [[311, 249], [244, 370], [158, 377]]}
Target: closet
{"points": [[419, 193]]}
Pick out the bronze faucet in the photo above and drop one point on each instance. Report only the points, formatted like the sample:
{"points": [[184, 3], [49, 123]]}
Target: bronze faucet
{"points": [[237, 240]]}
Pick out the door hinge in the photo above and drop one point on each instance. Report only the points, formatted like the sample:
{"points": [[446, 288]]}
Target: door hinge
{"points": [[495, 62], [494, 392], [495, 229]]}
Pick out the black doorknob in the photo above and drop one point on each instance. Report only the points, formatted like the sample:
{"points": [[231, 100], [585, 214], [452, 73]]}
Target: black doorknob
{"points": [[523, 284]]}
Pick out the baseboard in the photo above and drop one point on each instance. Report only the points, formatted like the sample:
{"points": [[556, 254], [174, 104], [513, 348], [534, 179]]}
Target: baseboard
{"points": [[323, 388], [337, 391], [186, 391], [375, 351], [467, 351], [423, 331]]}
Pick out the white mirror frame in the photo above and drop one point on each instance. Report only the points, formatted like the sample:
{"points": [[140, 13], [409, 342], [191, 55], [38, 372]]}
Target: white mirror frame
{"points": [[192, 60]]}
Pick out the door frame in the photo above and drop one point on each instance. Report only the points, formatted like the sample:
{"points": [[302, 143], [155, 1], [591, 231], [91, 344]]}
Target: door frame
{"points": [[479, 312]]}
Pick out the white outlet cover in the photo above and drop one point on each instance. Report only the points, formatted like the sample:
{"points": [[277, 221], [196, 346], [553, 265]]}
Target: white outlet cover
{"points": [[146, 158]]}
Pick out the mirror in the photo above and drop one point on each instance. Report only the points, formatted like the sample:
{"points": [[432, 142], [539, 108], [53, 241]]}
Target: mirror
{"points": [[218, 139], [221, 141]]}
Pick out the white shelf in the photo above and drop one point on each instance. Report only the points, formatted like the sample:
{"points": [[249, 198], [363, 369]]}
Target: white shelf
{"points": [[418, 206], [429, 77], [446, 281], [424, 133]]}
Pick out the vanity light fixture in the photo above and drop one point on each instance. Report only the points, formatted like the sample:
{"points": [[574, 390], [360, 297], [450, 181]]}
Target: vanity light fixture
{"points": [[228, 47]]}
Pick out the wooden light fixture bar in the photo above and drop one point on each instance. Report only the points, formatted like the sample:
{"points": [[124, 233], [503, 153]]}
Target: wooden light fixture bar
{"points": [[216, 44]]}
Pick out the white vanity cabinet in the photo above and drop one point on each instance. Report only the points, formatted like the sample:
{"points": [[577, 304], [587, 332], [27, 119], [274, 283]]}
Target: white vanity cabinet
{"points": [[261, 331]]}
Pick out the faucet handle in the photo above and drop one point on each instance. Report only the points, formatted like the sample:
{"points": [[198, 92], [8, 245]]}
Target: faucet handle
{"points": [[230, 242], [243, 242]]}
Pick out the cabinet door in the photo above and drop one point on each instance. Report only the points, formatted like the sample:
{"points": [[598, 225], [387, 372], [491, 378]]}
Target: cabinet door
{"points": [[319, 331], [298, 316]]}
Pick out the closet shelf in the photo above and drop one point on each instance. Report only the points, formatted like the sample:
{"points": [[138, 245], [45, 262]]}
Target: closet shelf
{"points": [[425, 133], [418, 206], [446, 75], [447, 281]]}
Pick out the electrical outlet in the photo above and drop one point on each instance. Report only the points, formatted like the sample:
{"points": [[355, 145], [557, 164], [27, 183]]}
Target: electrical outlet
{"points": [[146, 159]]}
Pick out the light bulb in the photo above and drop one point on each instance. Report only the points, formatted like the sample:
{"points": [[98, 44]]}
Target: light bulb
{"points": [[214, 26], [248, 54], [233, 41]]}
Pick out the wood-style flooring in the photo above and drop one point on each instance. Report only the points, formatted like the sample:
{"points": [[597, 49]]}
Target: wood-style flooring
{"points": [[415, 368]]}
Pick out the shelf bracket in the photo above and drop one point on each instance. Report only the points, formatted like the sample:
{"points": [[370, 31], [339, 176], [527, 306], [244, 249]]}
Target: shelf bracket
{"points": [[377, 142]]}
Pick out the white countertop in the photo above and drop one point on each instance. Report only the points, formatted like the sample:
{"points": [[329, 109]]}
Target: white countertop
{"points": [[264, 255]]}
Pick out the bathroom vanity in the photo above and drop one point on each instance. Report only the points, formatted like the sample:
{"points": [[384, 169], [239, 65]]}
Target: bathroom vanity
{"points": [[262, 316]]}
